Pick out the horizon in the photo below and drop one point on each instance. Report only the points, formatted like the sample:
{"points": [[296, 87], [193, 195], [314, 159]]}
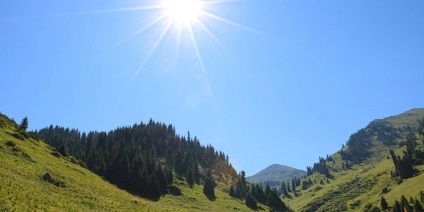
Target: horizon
{"points": [[290, 81]]}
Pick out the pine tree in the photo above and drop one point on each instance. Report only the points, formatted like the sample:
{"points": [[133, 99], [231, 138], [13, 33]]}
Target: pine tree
{"points": [[418, 206], [24, 124], [190, 177], [383, 203], [196, 174], [251, 202], [62, 151], [405, 204], [397, 207], [232, 192], [260, 195], [267, 190], [208, 188]]}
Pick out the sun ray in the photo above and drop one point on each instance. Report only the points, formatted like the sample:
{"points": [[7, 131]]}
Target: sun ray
{"points": [[231, 23], [202, 65], [214, 38], [179, 16], [152, 50], [152, 23], [179, 28], [146, 59], [127, 9], [219, 1]]}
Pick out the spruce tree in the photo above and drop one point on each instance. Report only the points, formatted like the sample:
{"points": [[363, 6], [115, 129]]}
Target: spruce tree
{"points": [[196, 174], [383, 203], [208, 188], [251, 202], [418, 206], [232, 192], [190, 177], [24, 124]]}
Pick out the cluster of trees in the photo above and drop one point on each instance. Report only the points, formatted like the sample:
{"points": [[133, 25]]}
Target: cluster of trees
{"points": [[412, 156], [414, 204], [320, 168], [358, 147], [141, 158], [254, 194], [290, 186]]}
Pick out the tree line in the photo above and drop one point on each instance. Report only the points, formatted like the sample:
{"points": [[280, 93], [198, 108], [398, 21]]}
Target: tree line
{"points": [[142, 158], [253, 194]]}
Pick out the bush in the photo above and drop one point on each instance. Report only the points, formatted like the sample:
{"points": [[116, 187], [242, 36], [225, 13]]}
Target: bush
{"points": [[34, 136], [18, 136], [10, 143], [48, 178], [62, 151], [384, 190]]}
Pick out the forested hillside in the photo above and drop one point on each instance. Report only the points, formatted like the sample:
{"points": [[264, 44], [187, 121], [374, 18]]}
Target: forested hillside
{"points": [[142, 158]]}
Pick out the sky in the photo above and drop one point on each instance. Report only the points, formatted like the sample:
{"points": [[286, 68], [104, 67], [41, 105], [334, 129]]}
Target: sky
{"points": [[267, 82]]}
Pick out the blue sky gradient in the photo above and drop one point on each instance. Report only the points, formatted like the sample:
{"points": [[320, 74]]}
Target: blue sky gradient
{"points": [[289, 86]]}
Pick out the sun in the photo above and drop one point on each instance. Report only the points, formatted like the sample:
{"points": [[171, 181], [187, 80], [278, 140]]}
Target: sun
{"points": [[186, 17], [183, 11]]}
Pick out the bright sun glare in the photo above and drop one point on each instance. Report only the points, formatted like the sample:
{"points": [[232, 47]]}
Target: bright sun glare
{"points": [[183, 11], [179, 15]]}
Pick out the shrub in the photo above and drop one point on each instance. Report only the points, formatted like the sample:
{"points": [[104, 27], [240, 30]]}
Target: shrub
{"points": [[384, 190], [10, 143], [18, 136], [34, 136], [48, 178]]}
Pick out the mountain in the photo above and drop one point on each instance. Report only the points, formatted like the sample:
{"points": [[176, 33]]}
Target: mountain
{"points": [[37, 177], [382, 162], [276, 173]]}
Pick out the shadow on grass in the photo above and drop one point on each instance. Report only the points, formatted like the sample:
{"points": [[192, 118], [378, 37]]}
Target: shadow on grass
{"points": [[211, 197]]}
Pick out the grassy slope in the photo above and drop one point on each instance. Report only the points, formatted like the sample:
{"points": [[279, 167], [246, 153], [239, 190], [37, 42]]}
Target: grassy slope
{"points": [[23, 189], [363, 184]]}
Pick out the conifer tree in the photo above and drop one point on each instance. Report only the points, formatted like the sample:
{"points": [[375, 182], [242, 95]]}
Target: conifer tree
{"points": [[251, 202], [383, 203], [397, 207], [418, 206], [232, 192], [190, 177], [196, 174], [24, 124], [208, 188]]}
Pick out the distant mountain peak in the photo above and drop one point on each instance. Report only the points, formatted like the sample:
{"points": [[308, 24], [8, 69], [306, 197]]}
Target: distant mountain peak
{"points": [[276, 172]]}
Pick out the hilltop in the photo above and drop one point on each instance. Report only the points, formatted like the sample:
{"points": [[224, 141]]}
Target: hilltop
{"points": [[276, 172]]}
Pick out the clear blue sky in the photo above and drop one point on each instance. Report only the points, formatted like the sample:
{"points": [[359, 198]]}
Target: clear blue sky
{"points": [[289, 82]]}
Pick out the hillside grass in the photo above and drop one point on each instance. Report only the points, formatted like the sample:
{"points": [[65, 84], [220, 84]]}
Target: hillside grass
{"points": [[24, 162]]}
